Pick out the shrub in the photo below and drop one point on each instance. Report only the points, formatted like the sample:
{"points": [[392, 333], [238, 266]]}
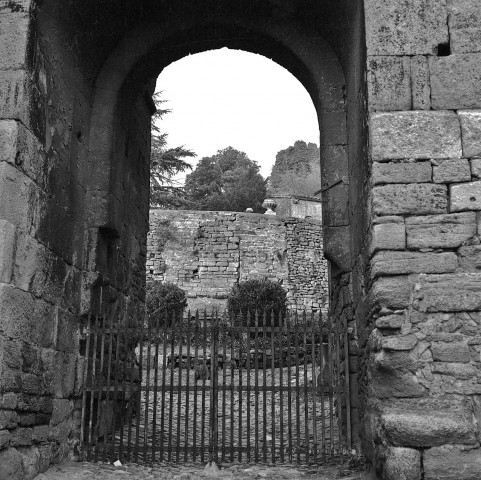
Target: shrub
{"points": [[164, 297], [257, 295]]}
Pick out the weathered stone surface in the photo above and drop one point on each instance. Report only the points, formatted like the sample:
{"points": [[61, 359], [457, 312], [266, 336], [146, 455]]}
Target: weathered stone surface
{"points": [[419, 172], [8, 140], [464, 25], [451, 352], [466, 196], [419, 134], [11, 466], [471, 132], [412, 199], [392, 292], [451, 462], [440, 231], [402, 464], [399, 342], [392, 384], [413, 28], [462, 371], [452, 87], [427, 422], [420, 83], [13, 40], [388, 236], [449, 171], [7, 250], [469, 258], [8, 419], [402, 263], [450, 292], [390, 322], [4, 438], [389, 83], [475, 167]]}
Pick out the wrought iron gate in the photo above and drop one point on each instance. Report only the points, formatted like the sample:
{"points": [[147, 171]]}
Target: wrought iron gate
{"points": [[222, 388]]}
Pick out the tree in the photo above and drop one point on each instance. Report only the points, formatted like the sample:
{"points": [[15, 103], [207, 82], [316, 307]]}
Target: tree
{"points": [[165, 163], [297, 170], [229, 180]]}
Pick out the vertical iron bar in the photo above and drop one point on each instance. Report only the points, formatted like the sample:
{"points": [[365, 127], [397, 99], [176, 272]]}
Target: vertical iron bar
{"points": [[322, 371], [256, 389], [180, 331], [196, 370], [298, 391], [213, 376], [147, 386], [273, 393], [115, 394], [123, 388], [248, 387], [232, 380], [264, 387], [339, 391], [289, 388], [331, 385], [306, 396], [87, 385], [171, 384], [101, 383], [282, 321], [139, 394], [204, 375], [240, 412], [108, 384], [94, 385], [187, 388], [347, 392], [156, 385], [224, 337], [314, 387], [167, 331]]}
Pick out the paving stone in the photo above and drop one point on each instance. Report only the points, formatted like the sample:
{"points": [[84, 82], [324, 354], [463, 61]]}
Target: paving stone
{"points": [[412, 199], [413, 172], [419, 135], [448, 292], [464, 25], [450, 171], [451, 462], [465, 196], [440, 231], [402, 263], [471, 132], [452, 87], [389, 83], [405, 28]]}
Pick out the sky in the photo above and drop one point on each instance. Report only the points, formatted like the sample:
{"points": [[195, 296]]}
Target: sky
{"points": [[226, 97]]}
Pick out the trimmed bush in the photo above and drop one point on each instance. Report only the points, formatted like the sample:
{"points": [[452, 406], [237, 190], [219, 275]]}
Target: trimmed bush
{"points": [[164, 297], [257, 295]]}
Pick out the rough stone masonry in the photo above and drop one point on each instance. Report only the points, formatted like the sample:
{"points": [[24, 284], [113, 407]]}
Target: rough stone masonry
{"points": [[397, 91], [207, 253]]}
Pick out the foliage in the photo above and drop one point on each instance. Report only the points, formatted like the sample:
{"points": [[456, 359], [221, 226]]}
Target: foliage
{"points": [[297, 170], [165, 163], [229, 181], [164, 297], [257, 295]]}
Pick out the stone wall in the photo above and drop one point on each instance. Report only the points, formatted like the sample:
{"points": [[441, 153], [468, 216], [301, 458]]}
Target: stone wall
{"points": [[207, 253], [421, 369]]}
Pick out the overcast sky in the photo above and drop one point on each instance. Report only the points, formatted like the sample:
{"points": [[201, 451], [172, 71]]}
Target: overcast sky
{"points": [[233, 98]]}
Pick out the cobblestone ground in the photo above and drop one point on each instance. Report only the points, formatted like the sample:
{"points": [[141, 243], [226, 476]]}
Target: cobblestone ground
{"points": [[105, 471]]}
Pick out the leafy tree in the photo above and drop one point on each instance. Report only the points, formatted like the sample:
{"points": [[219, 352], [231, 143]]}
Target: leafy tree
{"points": [[164, 298], [165, 163], [297, 170], [229, 180]]}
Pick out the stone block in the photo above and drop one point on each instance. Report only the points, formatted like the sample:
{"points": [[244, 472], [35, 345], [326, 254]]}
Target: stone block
{"points": [[451, 462], [427, 422], [402, 464], [13, 40], [333, 129], [412, 199], [440, 231], [469, 258], [456, 81], [334, 165], [419, 172], [471, 132], [390, 322], [451, 292], [418, 134], [7, 250], [11, 465], [399, 342], [8, 140], [392, 292], [8, 419], [401, 28], [389, 83], [450, 171], [337, 246], [21, 437], [420, 83], [403, 263], [4, 438], [456, 352], [475, 167], [335, 202], [464, 25], [392, 384], [465, 196], [388, 236]]}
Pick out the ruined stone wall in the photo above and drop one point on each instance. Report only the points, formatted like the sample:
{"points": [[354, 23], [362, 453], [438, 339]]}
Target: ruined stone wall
{"points": [[421, 369], [207, 253]]}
